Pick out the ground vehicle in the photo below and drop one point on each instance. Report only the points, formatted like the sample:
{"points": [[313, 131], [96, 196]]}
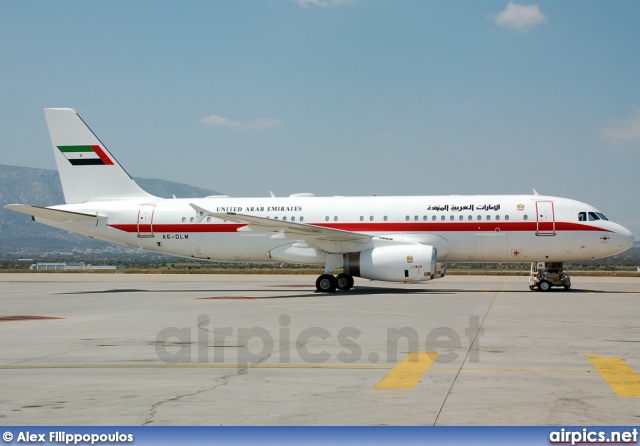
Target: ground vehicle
{"points": [[545, 275]]}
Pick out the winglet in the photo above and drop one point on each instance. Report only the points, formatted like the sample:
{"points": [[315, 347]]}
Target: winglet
{"points": [[202, 212]]}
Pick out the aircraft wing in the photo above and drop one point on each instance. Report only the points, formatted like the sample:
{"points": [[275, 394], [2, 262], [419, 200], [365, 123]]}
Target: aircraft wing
{"points": [[56, 215], [328, 239]]}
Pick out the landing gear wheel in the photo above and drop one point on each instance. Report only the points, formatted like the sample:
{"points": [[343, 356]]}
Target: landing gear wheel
{"points": [[345, 282], [326, 283], [544, 286], [567, 287]]}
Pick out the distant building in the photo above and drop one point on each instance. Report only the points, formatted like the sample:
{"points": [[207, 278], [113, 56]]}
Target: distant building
{"points": [[72, 267]]}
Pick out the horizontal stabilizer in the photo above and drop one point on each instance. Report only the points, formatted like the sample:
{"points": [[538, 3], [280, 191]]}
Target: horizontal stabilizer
{"points": [[56, 215]]}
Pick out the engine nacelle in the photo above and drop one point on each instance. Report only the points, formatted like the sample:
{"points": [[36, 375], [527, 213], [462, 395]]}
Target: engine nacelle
{"points": [[402, 263]]}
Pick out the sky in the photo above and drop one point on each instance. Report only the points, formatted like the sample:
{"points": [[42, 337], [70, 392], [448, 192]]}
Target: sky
{"points": [[338, 97]]}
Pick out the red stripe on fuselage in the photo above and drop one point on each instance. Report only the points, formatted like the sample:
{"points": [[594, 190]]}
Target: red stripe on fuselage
{"points": [[374, 227]]}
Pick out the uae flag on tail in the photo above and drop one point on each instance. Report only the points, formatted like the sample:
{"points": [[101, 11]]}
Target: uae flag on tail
{"points": [[86, 155]]}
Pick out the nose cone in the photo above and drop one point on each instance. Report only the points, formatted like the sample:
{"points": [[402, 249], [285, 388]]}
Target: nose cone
{"points": [[625, 238]]}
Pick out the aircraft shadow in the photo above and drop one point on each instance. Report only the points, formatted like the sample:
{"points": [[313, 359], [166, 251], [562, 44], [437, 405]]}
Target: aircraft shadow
{"points": [[356, 291]]}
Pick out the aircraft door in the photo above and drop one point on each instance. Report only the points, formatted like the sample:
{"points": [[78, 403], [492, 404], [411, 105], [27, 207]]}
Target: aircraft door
{"points": [[145, 220], [545, 218]]}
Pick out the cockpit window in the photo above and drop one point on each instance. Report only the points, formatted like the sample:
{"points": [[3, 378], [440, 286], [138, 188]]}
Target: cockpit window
{"points": [[582, 216], [601, 215], [593, 216]]}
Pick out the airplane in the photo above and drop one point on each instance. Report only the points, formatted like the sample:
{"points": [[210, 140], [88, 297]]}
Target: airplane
{"points": [[395, 239]]}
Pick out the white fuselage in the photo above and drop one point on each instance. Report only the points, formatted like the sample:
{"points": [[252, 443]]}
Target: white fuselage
{"points": [[396, 239], [497, 228]]}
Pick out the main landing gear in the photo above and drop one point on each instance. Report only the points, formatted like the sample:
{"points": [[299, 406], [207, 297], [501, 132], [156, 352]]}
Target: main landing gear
{"points": [[328, 283]]}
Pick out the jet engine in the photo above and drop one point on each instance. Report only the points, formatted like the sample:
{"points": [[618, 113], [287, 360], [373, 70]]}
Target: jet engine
{"points": [[401, 263]]}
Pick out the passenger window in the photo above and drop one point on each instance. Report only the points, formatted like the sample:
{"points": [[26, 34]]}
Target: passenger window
{"points": [[497, 218], [470, 217], [191, 219], [301, 218], [326, 218], [488, 217], [361, 218], [582, 216], [526, 217], [479, 217], [407, 218], [461, 218], [335, 218], [433, 218], [506, 217], [371, 218], [284, 218], [452, 218], [184, 219], [593, 216], [425, 218], [442, 218], [385, 218], [415, 218]]}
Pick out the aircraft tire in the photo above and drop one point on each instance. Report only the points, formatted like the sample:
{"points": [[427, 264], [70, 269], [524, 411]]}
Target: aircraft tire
{"points": [[544, 286], [326, 283], [344, 281]]}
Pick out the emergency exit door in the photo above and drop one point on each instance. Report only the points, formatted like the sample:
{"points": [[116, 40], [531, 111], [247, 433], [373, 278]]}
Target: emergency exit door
{"points": [[545, 217]]}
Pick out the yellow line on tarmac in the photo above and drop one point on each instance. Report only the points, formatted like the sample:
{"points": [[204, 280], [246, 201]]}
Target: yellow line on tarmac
{"points": [[408, 372], [620, 377]]}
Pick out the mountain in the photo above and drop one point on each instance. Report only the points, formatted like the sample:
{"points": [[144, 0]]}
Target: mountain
{"points": [[41, 187]]}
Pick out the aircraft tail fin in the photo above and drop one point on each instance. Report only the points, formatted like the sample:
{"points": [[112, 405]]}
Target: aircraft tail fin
{"points": [[88, 172]]}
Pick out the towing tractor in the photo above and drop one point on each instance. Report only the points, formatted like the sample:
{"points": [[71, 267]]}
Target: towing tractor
{"points": [[545, 275]]}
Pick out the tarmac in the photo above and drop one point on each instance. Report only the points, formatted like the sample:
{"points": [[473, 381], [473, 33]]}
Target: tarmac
{"points": [[119, 349]]}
